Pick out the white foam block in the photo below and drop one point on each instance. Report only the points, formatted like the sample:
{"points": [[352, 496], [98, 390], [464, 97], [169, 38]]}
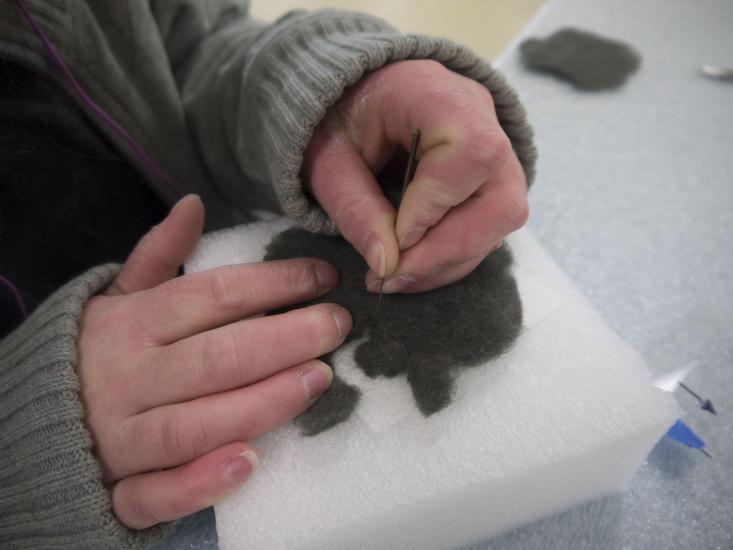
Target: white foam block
{"points": [[566, 416]]}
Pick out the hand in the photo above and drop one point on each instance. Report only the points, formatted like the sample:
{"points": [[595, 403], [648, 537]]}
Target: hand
{"points": [[175, 378], [469, 190]]}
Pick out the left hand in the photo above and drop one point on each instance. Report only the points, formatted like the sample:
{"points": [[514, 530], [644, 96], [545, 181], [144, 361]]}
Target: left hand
{"points": [[468, 193], [178, 374]]}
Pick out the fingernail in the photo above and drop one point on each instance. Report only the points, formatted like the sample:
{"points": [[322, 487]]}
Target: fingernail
{"points": [[412, 236], [373, 251], [326, 275], [373, 283], [397, 284], [316, 377], [238, 468], [343, 321]]}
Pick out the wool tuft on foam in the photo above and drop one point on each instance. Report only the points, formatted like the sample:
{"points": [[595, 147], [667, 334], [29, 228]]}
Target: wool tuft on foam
{"points": [[565, 416]]}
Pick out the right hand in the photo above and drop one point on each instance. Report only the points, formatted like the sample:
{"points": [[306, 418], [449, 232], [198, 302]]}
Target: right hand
{"points": [[176, 376], [469, 190]]}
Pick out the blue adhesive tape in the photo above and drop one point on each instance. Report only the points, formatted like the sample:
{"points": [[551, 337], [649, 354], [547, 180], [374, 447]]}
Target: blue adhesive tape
{"points": [[683, 433]]}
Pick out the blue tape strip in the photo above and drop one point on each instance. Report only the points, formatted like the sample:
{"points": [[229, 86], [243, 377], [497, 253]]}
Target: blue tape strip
{"points": [[683, 433]]}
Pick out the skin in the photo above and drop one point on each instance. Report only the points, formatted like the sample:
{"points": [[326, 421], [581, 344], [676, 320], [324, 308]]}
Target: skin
{"points": [[178, 373], [469, 190]]}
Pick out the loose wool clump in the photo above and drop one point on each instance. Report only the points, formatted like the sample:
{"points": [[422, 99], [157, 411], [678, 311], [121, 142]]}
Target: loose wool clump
{"points": [[427, 336], [589, 61]]}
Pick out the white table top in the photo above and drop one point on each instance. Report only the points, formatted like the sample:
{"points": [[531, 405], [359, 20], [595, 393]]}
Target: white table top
{"points": [[634, 199]]}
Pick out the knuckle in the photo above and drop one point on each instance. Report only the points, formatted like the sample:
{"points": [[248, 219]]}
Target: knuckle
{"points": [[463, 249], [251, 425], [171, 444], [503, 150], [430, 68], [219, 353], [181, 441], [222, 288], [180, 507], [351, 213], [459, 251], [429, 272], [210, 361], [231, 355], [139, 510], [466, 248], [140, 325], [486, 150], [399, 73], [429, 65], [460, 97], [516, 213], [480, 92], [453, 100], [460, 266], [520, 215], [298, 274], [146, 510]]}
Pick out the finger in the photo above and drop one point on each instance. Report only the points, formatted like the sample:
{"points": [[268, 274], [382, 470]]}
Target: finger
{"points": [[451, 249], [239, 354], [448, 174], [445, 274], [142, 500], [462, 143], [160, 253], [208, 299], [174, 434], [348, 191]]}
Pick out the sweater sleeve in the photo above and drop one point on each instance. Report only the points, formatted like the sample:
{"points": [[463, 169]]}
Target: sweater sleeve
{"points": [[253, 94], [51, 490]]}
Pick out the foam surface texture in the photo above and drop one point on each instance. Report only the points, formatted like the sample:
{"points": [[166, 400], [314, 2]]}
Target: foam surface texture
{"points": [[566, 416]]}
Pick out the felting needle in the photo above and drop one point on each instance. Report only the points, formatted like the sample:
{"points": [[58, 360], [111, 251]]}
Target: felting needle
{"points": [[409, 174]]}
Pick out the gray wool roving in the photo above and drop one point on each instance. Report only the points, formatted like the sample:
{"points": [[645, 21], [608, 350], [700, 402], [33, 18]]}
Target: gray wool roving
{"points": [[427, 336], [589, 61]]}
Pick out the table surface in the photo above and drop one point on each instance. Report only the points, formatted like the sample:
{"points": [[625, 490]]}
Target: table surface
{"points": [[634, 199]]}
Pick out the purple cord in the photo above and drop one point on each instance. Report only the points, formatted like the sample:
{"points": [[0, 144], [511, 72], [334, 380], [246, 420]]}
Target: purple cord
{"points": [[89, 102], [18, 298], [149, 163]]}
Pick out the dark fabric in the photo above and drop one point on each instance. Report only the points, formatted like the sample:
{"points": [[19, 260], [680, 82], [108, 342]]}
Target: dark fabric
{"points": [[68, 200], [428, 336]]}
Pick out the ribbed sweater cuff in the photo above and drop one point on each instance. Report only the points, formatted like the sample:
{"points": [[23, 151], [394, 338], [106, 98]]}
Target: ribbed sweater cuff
{"points": [[51, 490], [305, 67]]}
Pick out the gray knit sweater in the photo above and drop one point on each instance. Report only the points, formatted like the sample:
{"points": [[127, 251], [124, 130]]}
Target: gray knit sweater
{"points": [[226, 106]]}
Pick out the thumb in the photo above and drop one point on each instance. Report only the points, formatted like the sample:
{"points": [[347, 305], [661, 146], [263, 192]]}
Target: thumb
{"points": [[160, 253], [347, 190]]}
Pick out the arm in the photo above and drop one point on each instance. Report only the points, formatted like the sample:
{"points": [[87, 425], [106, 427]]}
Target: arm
{"points": [[130, 395], [254, 94], [223, 63], [51, 490], [228, 105], [262, 102]]}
